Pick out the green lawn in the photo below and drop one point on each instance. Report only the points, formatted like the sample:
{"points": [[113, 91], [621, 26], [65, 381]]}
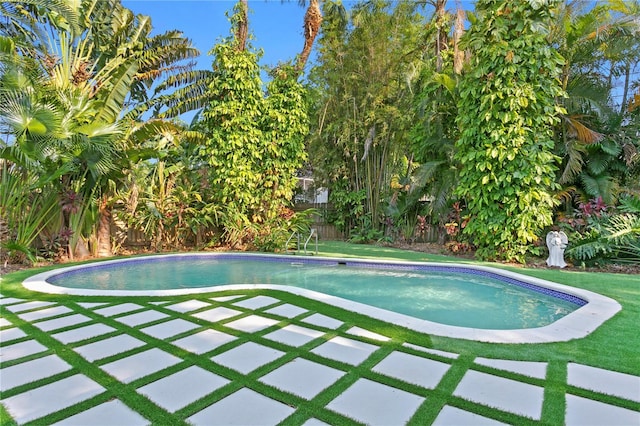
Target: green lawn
{"points": [[614, 346]]}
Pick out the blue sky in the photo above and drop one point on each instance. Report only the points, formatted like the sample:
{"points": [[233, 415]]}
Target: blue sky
{"points": [[276, 25]]}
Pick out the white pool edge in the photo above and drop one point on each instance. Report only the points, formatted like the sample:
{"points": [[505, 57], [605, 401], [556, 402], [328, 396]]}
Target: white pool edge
{"points": [[575, 325]]}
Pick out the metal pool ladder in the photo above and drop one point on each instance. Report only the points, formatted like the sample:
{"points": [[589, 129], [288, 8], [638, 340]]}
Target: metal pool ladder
{"points": [[297, 235]]}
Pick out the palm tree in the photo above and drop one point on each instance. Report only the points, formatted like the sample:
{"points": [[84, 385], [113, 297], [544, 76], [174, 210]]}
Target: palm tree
{"points": [[90, 91]]}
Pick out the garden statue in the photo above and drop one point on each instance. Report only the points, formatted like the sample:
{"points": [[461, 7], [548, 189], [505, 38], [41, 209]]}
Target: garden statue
{"points": [[556, 242]]}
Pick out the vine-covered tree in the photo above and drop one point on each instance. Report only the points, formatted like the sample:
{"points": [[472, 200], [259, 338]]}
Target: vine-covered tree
{"points": [[254, 142], [506, 113]]}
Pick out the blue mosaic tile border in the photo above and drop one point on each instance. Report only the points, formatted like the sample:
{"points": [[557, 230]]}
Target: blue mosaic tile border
{"points": [[346, 262]]}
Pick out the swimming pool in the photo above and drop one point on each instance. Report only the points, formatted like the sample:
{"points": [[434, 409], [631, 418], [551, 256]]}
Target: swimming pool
{"points": [[453, 300]]}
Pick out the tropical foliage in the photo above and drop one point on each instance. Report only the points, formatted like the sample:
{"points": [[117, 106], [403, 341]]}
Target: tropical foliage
{"points": [[481, 129]]}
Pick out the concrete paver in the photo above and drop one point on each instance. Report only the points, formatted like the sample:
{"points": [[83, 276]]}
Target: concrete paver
{"points": [[251, 324], [244, 407], [142, 364], [20, 350], [169, 328], [287, 310], [303, 377], [586, 412], [361, 332], [182, 388], [44, 313], [452, 416], [82, 333], [107, 414], [294, 335], [62, 322], [31, 405], [506, 394], [204, 341], [376, 404], [31, 371], [140, 318], [26, 306], [412, 369], [188, 306], [256, 302], [345, 350], [610, 382], [108, 347], [526, 368], [217, 314], [11, 334], [247, 357], [443, 354], [323, 321], [121, 308]]}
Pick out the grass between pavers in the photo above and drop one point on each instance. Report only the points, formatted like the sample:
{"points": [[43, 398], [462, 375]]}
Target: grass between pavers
{"points": [[614, 346]]}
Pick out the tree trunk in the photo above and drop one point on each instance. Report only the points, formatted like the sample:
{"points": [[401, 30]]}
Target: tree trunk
{"points": [[312, 22], [104, 230], [242, 31]]}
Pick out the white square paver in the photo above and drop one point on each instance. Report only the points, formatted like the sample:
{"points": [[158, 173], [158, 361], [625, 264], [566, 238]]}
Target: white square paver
{"points": [[182, 388], [19, 350], [257, 302], [169, 328], [376, 404], [303, 378], [31, 371], [361, 332], [287, 310], [431, 351], [136, 366], [217, 314], [10, 300], [91, 305], [345, 350], [204, 341], [27, 406], [188, 306], [294, 335], [56, 323], [451, 416], [82, 333], [108, 414], [11, 334], [244, 407], [251, 324], [604, 381], [323, 321], [22, 307], [110, 311], [586, 412], [5, 322], [526, 368], [412, 369], [247, 357], [44, 313], [108, 347], [504, 394], [141, 318], [226, 298]]}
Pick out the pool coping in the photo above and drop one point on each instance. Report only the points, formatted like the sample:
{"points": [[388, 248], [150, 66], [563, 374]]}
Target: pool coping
{"points": [[575, 325]]}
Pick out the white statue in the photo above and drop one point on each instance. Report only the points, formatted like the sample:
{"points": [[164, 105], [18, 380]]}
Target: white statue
{"points": [[556, 242]]}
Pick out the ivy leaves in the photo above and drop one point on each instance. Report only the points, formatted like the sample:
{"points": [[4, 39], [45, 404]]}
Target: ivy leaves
{"points": [[508, 169]]}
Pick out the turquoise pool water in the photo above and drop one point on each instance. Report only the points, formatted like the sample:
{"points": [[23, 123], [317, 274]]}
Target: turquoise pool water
{"points": [[445, 296]]}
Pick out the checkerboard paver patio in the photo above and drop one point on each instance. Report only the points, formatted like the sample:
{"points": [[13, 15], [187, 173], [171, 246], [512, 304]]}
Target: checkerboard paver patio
{"points": [[37, 383]]}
